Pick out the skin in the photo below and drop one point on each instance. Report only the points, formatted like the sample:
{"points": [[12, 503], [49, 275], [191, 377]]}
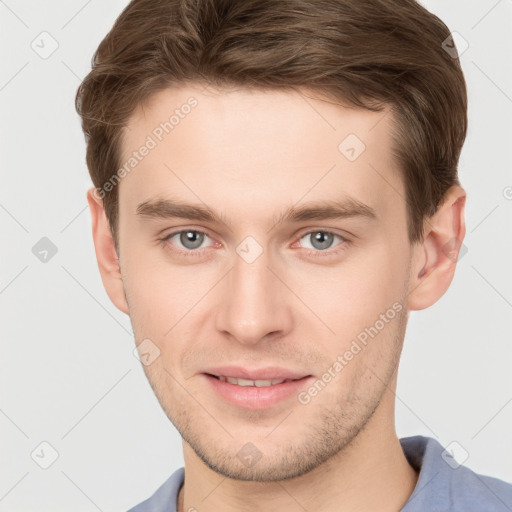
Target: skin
{"points": [[248, 155]]}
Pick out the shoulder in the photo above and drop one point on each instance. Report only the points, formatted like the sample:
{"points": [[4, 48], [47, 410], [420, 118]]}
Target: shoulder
{"points": [[164, 498], [473, 491], [445, 485]]}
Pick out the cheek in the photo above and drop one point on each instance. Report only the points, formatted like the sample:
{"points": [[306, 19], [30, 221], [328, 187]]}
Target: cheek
{"points": [[369, 279], [164, 300], [351, 298], [364, 308]]}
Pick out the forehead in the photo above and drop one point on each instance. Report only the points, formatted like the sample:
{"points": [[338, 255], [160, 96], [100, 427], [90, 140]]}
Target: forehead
{"points": [[244, 147]]}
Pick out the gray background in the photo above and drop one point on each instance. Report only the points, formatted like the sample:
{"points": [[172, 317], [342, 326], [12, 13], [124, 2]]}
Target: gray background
{"points": [[68, 374]]}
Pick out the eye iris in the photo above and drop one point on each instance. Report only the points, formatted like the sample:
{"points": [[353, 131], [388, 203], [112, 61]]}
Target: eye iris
{"points": [[187, 237], [323, 239]]}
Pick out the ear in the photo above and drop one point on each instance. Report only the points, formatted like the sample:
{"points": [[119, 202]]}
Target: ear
{"points": [[435, 257], [106, 255]]}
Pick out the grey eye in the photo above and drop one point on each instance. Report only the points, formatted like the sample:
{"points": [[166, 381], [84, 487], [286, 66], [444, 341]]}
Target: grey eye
{"points": [[191, 239], [320, 240]]}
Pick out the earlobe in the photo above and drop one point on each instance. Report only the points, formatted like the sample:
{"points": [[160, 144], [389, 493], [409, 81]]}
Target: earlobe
{"points": [[435, 258], [106, 254]]}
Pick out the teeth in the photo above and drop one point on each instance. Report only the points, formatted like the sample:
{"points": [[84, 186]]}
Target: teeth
{"points": [[257, 383]]}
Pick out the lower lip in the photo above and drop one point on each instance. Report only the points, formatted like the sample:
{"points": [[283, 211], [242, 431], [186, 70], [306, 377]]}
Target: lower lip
{"points": [[256, 398]]}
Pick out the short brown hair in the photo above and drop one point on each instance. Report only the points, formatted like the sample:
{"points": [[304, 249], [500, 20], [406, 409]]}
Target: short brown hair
{"points": [[367, 53]]}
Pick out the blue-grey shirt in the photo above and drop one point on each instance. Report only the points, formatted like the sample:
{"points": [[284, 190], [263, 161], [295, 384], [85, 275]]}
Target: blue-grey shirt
{"points": [[443, 485]]}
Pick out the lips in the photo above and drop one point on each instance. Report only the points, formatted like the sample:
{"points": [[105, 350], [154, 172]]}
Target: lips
{"points": [[273, 374], [259, 383], [243, 394]]}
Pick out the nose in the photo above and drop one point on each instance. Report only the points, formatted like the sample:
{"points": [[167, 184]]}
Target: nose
{"points": [[254, 303]]}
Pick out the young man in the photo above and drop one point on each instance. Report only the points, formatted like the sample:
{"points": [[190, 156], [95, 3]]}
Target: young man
{"points": [[275, 188]]}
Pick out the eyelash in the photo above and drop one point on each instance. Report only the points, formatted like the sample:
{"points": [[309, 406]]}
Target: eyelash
{"points": [[311, 252]]}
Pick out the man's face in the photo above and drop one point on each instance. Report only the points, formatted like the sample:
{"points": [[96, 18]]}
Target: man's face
{"points": [[255, 290]]}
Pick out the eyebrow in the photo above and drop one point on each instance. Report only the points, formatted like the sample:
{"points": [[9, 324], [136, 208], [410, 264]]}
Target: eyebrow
{"points": [[315, 210]]}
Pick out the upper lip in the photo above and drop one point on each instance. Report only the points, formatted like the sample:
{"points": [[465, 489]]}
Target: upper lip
{"points": [[268, 373]]}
